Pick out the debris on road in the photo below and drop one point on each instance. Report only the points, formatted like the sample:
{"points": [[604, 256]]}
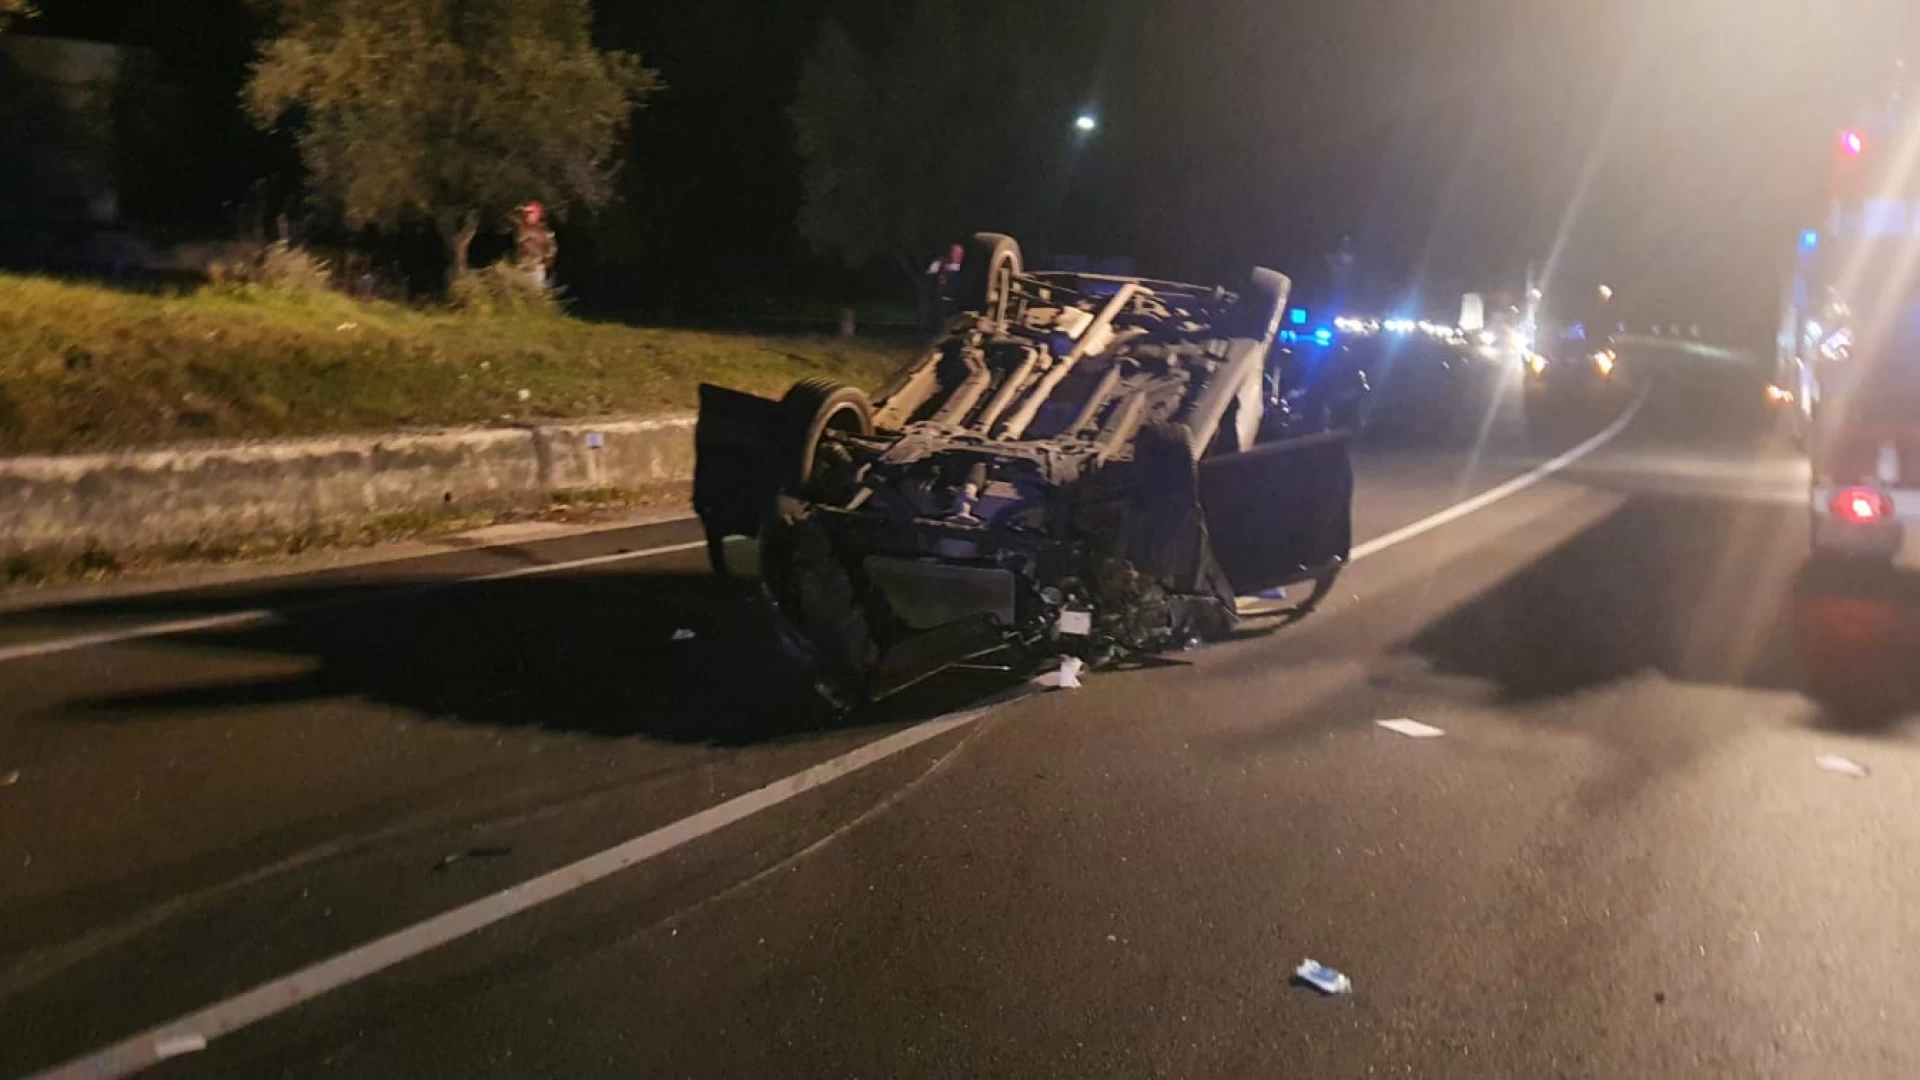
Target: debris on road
{"points": [[683, 634], [1322, 978], [173, 1046], [1278, 593], [489, 852], [11, 778], [1412, 729], [1845, 767], [1070, 668]]}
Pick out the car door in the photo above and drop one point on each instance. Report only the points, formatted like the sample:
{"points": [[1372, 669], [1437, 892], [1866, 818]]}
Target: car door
{"points": [[1281, 512]]}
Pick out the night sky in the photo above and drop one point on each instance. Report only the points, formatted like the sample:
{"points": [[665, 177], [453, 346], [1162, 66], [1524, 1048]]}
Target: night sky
{"points": [[1670, 147]]}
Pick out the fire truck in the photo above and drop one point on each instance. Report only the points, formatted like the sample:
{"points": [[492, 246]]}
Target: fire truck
{"points": [[1849, 344]]}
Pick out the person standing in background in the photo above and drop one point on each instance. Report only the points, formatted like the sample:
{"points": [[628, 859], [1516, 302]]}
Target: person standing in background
{"points": [[936, 300], [534, 244]]}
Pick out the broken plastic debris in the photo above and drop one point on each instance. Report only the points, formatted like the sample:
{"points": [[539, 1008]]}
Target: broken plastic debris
{"points": [[1843, 766], [1322, 978], [683, 634], [1412, 729], [172, 1046], [1070, 668]]}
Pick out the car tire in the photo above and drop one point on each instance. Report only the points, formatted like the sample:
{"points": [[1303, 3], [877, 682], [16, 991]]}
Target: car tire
{"points": [[812, 408], [987, 268]]}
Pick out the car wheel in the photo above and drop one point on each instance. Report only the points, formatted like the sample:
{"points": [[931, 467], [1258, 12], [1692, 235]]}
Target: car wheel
{"points": [[987, 268], [811, 409]]}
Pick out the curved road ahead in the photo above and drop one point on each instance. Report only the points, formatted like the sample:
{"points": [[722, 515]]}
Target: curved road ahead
{"points": [[1619, 860]]}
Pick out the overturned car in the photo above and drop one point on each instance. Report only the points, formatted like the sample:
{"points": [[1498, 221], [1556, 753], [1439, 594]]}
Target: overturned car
{"points": [[1080, 464]]}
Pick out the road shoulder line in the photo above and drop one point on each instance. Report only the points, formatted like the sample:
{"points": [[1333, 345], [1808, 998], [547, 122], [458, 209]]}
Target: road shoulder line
{"points": [[278, 995], [236, 620], [1495, 494]]}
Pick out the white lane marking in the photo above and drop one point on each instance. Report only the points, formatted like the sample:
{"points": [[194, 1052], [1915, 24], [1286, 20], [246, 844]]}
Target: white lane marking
{"points": [[268, 999], [148, 1047], [1495, 494], [237, 620], [232, 621], [1412, 729]]}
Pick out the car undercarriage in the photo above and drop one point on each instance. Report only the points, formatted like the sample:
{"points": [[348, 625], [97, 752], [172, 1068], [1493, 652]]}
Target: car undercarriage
{"points": [[1079, 465]]}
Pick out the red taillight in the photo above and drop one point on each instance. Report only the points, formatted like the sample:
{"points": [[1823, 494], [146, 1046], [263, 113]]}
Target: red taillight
{"points": [[1861, 505]]}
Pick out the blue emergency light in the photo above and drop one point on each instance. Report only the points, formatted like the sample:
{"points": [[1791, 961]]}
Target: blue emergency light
{"points": [[1298, 316]]}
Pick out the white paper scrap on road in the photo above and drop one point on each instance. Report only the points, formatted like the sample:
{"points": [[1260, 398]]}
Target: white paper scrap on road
{"points": [[1412, 729], [1843, 766], [1068, 677], [683, 634], [173, 1046], [1322, 978]]}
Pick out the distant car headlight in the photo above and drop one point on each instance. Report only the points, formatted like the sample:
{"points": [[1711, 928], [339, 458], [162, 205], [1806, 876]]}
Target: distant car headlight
{"points": [[1537, 362], [1604, 360]]}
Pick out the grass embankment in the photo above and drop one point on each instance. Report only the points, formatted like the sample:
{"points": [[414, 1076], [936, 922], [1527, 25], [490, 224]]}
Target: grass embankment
{"points": [[88, 368]]}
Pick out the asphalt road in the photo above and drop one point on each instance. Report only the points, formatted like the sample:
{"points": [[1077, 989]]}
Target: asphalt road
{"points": [[1620, 859]]}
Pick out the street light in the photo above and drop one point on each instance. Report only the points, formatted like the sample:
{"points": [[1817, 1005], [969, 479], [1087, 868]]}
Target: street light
{"points": [[1086, 123]]}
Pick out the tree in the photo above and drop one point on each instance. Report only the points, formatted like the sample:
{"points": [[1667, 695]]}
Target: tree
{"points": [[15, 9], [450, 112], [961, 124]]}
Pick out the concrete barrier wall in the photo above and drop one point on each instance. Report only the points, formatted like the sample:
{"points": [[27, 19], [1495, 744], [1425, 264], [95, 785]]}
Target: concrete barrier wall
{"points": [[168, 497]]}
